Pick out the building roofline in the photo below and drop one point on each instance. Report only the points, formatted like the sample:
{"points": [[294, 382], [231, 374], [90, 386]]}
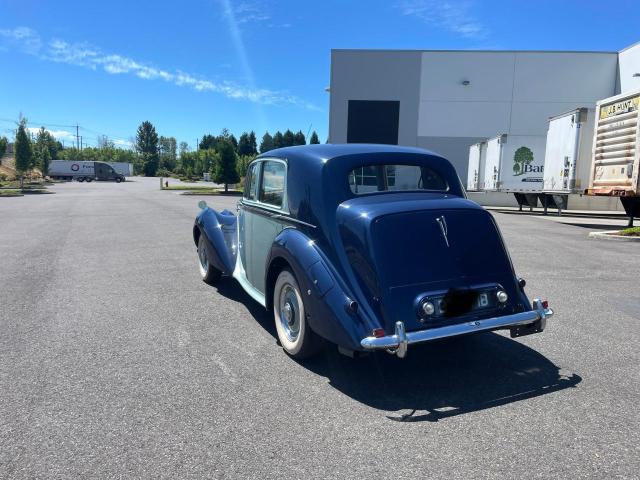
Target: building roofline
{"points": [[629, 47], [389, 50]]}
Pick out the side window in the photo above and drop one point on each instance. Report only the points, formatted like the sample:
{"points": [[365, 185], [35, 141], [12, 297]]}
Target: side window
{"points": [[251, 182], [272, 187]]}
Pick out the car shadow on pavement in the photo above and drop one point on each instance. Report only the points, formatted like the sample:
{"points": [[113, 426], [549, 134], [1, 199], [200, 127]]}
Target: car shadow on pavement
{"points": [[445, 378], [435, 381]]}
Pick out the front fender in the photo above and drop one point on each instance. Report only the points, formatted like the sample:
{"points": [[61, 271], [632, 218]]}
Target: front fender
{"points": [[219, 229], [328, 300]]}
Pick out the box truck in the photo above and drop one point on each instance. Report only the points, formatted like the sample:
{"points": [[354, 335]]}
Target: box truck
{"points": [[615, 162], [475, 171], [83, 170], [567, 158]]}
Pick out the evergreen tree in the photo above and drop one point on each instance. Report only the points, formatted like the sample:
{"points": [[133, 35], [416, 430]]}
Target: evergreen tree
{"points": [[234, 142], [244, 148], [23, 150], [299, 138], [313, 139], [288, 138], [267, 143], [147, 147], [253, 145], [278, 140], [225, 169], [3, 146], [207, 142]]}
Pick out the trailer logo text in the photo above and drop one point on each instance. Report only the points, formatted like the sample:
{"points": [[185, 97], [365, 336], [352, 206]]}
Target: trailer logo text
{"points": [[522, 160]]}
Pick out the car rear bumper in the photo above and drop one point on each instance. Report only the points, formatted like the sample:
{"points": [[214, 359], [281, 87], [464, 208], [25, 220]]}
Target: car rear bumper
{"points": [[399, 342]]}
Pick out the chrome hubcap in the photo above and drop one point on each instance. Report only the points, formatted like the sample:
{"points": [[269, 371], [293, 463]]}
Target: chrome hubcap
{"points": [[289, 312]]}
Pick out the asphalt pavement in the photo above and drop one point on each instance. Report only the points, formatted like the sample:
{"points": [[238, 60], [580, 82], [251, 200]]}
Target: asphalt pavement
{"points": [[116, 360]]}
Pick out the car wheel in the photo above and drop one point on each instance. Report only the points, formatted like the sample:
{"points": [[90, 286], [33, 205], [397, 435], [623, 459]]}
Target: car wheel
{"points": [[89, 180], [80, 179], [208, 272], [294, 333], [118, 180]]}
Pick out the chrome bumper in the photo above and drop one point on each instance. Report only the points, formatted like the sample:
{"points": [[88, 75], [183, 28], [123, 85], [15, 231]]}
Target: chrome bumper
{"points": [[399, 342]]}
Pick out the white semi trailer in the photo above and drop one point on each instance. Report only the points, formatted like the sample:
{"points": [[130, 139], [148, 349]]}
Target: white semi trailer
{"points": [[475, 171], [83, 171], [567, 157], [515, 164]]}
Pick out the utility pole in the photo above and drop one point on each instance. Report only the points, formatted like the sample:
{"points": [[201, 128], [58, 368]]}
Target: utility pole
{"points": [[80, 142], [77, 137]]}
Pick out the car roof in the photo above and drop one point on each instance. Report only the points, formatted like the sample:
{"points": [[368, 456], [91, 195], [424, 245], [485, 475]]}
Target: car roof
{"points": [[328, 151]]}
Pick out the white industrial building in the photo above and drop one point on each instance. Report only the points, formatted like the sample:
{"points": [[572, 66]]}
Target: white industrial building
{"points": [[447, 101]]}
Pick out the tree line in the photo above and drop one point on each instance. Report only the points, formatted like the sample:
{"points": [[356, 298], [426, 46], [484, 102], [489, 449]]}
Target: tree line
{"points": [[223, 156]]}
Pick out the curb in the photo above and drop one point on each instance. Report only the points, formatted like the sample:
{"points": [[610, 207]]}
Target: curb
{"points": [[608, 235]]}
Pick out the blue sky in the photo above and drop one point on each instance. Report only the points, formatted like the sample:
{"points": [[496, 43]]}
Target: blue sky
{"points": [[194, 67]]}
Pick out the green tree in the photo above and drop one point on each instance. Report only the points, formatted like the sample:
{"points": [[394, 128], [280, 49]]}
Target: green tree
{"points": [[267, 143], [288, 138], [253, 145], [244, 148], [207, 142], [3, 146], [168, 153], [299, 138], [147, 147], [45, 149], [234, 142], [243, 163], [522, 157], [278, 140], [225, 170], [313, 139], [23, 150]]}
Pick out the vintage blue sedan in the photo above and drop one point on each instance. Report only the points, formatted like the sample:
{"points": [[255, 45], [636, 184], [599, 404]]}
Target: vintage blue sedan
{"points": [[369, 247]]}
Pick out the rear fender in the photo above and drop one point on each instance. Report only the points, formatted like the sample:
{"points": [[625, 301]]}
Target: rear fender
{"points": [[327, 298], [220, 230]]}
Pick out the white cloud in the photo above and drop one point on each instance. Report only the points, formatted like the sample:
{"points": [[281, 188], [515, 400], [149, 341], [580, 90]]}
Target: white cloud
{"points": [[88, 56], [25, 38], [449, 15], [248, 12], [57, 134]]}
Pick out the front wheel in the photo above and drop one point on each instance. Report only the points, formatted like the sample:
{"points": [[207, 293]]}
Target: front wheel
{"points": [[294, 333], [118, 180], [208, 272]]}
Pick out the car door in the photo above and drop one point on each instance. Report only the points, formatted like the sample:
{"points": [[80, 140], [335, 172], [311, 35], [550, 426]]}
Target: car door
{"points": [[265, 219], [250, 196]]}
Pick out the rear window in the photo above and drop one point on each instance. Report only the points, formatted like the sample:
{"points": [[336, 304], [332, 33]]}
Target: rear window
{"points": [[395, 178]]}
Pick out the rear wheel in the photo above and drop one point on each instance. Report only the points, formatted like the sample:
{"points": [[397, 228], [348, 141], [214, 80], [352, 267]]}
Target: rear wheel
{"points": [[208, 272], [81, 179], [118, 180], [89, 180], [294, 333]]}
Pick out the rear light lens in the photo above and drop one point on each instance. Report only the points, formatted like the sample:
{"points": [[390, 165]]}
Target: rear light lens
{"points": [[378, 332], [545, 304]]}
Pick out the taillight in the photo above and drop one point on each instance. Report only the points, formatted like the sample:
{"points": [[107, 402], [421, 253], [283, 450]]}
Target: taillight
{"points": [[378, 332], [545, 304]]}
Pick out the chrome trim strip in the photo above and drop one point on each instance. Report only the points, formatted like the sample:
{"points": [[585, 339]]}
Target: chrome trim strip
{"points": [[260, 209], [398, 342]]}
